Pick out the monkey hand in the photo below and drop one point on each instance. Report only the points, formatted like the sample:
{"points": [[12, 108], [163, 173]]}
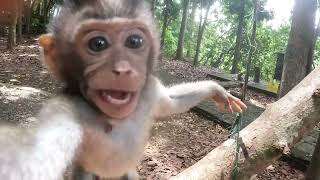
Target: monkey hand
{"points": [[224, 100]]}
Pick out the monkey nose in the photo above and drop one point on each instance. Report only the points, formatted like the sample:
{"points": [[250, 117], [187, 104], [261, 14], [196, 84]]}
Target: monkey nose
{"points": [[122, 68], [119, 72]]}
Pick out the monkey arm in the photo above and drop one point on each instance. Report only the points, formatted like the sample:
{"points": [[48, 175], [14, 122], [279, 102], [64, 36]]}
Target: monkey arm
{"points": [[180, 98], [41, 153]]}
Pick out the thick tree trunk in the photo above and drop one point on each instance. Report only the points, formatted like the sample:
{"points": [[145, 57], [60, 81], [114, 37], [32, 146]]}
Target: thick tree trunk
{"points": [[237, 49], [299, 44], [282, 125], [179, 54]]}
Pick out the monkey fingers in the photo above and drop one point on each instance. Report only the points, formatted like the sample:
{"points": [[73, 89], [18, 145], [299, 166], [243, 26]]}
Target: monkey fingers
{"points": [[237, 104], [236, 107], [229, 106]]}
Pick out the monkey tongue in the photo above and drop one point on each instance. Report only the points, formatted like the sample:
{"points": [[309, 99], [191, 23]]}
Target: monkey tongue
{"points": [[116, 97]]}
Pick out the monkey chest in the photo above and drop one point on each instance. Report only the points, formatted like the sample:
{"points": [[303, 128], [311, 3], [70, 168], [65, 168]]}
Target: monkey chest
{"points": [[114, 153]]}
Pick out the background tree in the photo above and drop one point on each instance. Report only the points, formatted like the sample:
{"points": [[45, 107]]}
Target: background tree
{"points": [[311, 50], [237, 54], [252, 48], [179, 54], [153, 6], [191, 33], [299, 44], [166, 13], [214, 43], [202, 26]]}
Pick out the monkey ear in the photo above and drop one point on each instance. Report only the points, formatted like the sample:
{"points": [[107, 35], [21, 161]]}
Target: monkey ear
{"points": [[46, 41], [49, 58]]}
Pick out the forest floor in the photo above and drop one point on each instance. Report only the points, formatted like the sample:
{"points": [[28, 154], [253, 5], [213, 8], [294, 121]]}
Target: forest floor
{"points": [[176, 142]]}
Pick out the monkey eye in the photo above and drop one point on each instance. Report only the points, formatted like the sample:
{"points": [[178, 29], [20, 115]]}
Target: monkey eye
{"points": [[98, 44], [134, 42]]}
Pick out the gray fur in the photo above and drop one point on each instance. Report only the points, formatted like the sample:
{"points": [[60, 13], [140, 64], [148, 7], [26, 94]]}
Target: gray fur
{"points": [[74, 11]]}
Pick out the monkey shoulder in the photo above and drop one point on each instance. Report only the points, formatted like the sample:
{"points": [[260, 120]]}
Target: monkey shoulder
{"points": [[74, 107], [157, 93], [154, 90]]}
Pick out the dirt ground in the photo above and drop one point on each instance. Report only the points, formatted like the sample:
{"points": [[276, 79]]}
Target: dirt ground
{"points": [[176, 143]]}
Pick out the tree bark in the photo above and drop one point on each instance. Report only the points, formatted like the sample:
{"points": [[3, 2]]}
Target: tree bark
{"points": [[299, 44], [165, 22], [12, 33], [257, 73], [164, 29], [237, 49], [191, 24], [279, 67], [200, 35], [282, 125], [19, 25], [28, 15], [252, 49], [153, 6], [179, 54], [311, 50]]}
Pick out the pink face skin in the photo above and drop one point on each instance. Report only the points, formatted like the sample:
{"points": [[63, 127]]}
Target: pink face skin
{"points": [[116, 57]]}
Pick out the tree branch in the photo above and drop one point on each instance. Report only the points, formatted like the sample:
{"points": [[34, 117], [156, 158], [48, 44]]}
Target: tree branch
{"points": [[282, 125]]}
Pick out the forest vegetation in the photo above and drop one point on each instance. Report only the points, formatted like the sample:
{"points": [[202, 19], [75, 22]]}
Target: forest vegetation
{"points": [[207, 32]]}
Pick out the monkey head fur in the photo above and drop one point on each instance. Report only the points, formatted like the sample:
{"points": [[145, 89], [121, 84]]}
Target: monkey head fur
{"points": [[103, 50]]}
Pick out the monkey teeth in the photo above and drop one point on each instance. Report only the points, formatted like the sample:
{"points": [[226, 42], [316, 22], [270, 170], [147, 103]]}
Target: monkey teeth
{"points": [[116, 97]]}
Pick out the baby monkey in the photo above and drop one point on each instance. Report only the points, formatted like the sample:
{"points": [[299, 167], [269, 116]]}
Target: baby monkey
{"points": [[104, 51]]}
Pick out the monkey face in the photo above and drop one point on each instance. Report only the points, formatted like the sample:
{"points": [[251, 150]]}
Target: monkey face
{"points": [[114, 59], [103, 50]]}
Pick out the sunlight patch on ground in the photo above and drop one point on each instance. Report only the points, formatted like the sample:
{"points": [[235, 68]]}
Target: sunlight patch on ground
{"points": [[28, 55], [14, 81], [14, 93], [44, 72], [161, 141], [152, 149], [33, 46], [257, 103], [5, 54]]}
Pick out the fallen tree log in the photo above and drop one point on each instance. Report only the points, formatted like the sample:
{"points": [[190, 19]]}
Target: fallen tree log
{"points": [[272, 134]]}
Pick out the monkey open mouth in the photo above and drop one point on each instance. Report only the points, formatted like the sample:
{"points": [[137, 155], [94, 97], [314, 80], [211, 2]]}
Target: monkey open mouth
{"points": [[116, 97]]}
